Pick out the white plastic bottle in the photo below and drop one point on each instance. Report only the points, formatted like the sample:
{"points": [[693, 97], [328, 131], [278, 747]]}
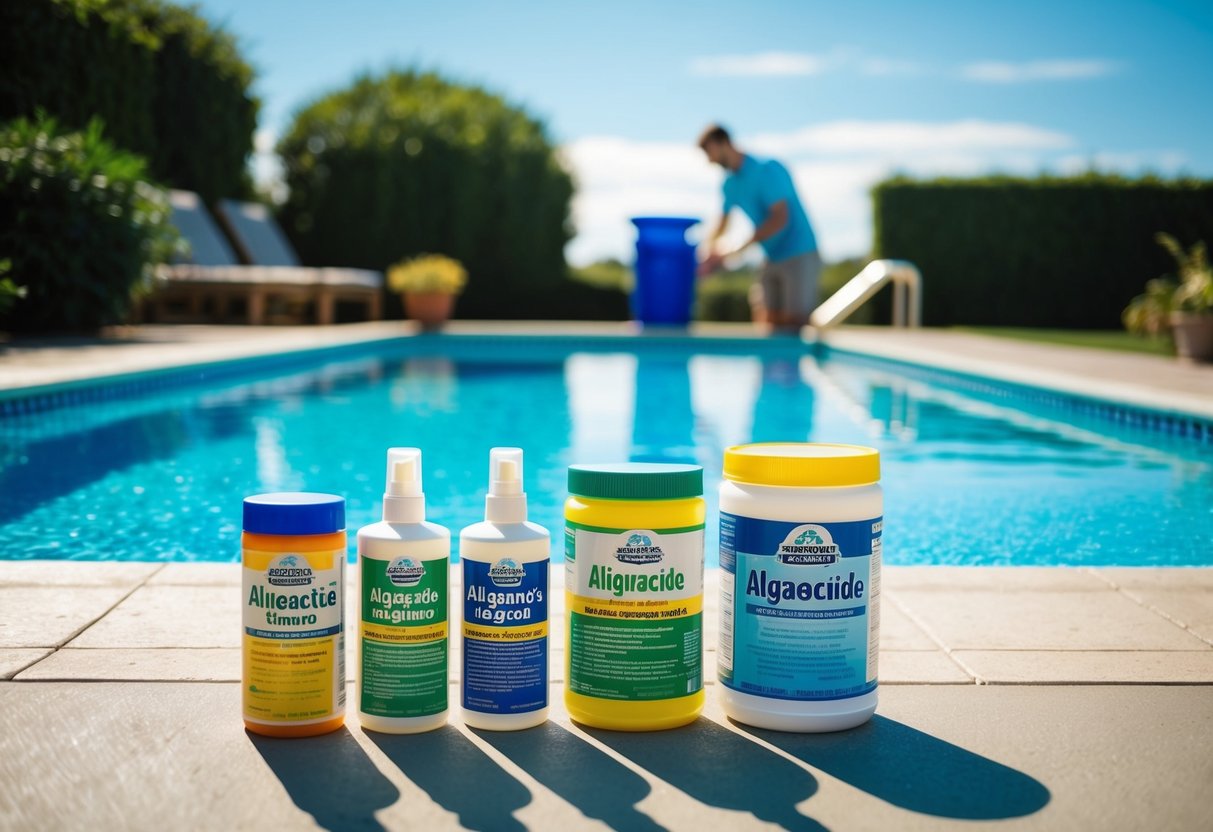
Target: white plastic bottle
{"points": [[505, 607], [403, 600], [800, 546]]}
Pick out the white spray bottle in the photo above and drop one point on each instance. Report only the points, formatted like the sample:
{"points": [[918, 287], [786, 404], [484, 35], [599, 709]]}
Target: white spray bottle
{"points": [[403, 600], [505, 607]]}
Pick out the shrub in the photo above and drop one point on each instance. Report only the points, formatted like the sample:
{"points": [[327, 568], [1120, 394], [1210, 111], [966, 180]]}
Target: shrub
{"points": [[408, 162], [1044, 252], [167, 84], [80, 226]]}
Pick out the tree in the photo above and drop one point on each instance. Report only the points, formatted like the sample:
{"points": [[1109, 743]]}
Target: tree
{"points": [[409, 163]]}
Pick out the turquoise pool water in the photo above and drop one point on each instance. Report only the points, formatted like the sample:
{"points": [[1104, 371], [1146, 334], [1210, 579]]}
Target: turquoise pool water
{"points": [[971, 476]]}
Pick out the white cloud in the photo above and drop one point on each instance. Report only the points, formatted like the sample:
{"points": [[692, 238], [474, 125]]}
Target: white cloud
{"points": [[834, 164], [901, 137], [1006, 72], [760, 64]]}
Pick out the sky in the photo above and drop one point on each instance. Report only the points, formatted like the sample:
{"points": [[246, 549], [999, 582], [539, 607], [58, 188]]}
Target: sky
{"points": [[842, 93]]}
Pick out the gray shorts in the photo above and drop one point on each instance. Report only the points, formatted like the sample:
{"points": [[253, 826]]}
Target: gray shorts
{"points": [[788, 286]]}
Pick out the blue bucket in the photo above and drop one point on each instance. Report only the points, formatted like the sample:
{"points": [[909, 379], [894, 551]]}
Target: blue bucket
{"points": [[665, 271]]}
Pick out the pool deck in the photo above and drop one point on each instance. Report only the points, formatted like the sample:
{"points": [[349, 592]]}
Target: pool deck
{"points": [[1051, 698], [1045, 698]]}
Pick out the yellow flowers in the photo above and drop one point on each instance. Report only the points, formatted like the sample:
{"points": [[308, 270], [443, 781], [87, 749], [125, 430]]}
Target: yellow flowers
{"points": [[427, 273]]}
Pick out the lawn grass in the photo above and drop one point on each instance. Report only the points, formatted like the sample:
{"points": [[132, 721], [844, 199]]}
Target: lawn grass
{"points": [[1102, 339]]}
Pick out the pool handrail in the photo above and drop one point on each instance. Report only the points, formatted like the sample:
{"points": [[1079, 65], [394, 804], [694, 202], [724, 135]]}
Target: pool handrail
{"points": [[907, 294]]}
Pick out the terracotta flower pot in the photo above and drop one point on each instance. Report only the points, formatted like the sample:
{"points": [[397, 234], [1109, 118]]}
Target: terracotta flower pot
{"points": [[430, 309], [1193, 332]]}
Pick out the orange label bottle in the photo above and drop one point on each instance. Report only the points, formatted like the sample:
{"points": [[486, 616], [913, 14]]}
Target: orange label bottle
{"points": [[294, 551]]}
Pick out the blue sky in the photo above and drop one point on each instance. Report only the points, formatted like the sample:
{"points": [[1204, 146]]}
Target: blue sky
{"points": [[841, 92]]}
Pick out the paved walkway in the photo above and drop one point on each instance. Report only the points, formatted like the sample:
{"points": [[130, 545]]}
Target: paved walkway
{"points": [[1053, 698]]}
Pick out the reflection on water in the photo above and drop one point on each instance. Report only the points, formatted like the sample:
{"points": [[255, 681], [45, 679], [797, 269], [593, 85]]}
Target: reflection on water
{"points": [[967, 479]]}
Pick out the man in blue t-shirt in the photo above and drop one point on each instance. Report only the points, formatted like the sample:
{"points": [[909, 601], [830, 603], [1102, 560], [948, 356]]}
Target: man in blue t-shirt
{"points": [[786, 290]]}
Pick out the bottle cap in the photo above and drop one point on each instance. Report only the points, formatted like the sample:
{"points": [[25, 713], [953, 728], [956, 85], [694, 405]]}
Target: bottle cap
{"points": [[294, 512], [804, 464], [636, 481]]}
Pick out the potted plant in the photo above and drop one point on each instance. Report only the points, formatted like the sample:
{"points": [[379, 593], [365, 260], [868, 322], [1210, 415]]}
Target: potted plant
{"points": [[1184, 305], [429, 284]]}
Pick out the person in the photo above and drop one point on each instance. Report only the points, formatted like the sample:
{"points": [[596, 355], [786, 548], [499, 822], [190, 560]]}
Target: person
{"points": [[785, 291]]}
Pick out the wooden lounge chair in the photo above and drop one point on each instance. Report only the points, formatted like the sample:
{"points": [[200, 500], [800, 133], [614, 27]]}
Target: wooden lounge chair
{"points": [[261, 274]]}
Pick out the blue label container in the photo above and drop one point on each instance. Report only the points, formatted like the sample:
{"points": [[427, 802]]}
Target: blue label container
{"points": [[665, 271]]}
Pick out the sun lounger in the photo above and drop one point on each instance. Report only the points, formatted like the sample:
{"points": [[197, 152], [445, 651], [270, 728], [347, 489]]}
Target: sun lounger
{"points": [[262, 274]]}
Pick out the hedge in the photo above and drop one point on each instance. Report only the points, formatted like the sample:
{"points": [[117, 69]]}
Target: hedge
{"points": [[80, 227], [407, 163], [1045, 252], [166, 84]]}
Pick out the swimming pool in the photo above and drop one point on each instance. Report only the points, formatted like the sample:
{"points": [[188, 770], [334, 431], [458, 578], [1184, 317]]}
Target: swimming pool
{"points": [[156, 470]]}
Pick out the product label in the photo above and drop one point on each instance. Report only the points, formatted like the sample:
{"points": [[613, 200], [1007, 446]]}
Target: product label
{"points": [[294, 640], [636, 603], [403, 637], [800, 607], [505, 636]]}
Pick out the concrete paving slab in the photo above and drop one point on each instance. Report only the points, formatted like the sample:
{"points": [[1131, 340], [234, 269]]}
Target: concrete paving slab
{"points": [[1184, 578], [1191, 609], [49, 616], [197, 574], [934, 756], [898, 632], [1021, 667], [919, 667], [75, 573], [148, 665], [990, 578], [170, 616], [985, 620], [14, 660]]}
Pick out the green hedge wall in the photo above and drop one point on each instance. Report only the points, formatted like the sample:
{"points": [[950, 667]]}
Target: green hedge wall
{"points": [[407, 163], [1045, 252], [166, 84]]}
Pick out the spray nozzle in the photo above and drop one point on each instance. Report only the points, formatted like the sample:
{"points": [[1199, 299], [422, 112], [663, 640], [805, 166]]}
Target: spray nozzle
{"points": [[403, 501], [506, 503], [505, 472], [403, 472]]}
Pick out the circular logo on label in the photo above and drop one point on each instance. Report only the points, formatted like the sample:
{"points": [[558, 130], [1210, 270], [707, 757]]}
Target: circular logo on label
{"points": [[808, 545], [405, 571], [638, 547], [506, 572], [290, 570]]}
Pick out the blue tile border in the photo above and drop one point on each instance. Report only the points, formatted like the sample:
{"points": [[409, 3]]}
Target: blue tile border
{"points": [[1171, 423]]}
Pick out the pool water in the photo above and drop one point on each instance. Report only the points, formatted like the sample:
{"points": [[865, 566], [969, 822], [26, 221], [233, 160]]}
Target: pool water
{"points": [[968, 480]]}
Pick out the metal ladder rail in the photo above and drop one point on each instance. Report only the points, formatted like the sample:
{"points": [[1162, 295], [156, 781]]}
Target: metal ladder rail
{"points": [[907, 294]]}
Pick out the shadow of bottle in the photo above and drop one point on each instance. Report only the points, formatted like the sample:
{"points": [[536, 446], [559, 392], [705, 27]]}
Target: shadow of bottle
{"points": [[458, 776], [330, 777], [601, 787], [916, 771], [721, 768]]}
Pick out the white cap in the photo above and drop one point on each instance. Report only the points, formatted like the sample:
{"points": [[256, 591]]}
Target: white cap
{"points": [[403, 501], [506, 501]]}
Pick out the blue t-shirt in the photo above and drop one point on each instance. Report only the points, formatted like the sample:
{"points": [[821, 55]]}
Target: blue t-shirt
{"points": [[754, 188]]}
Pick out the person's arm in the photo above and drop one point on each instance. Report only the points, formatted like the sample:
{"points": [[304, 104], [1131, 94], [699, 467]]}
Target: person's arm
{"points": [[711, 260], [776, 221]]}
